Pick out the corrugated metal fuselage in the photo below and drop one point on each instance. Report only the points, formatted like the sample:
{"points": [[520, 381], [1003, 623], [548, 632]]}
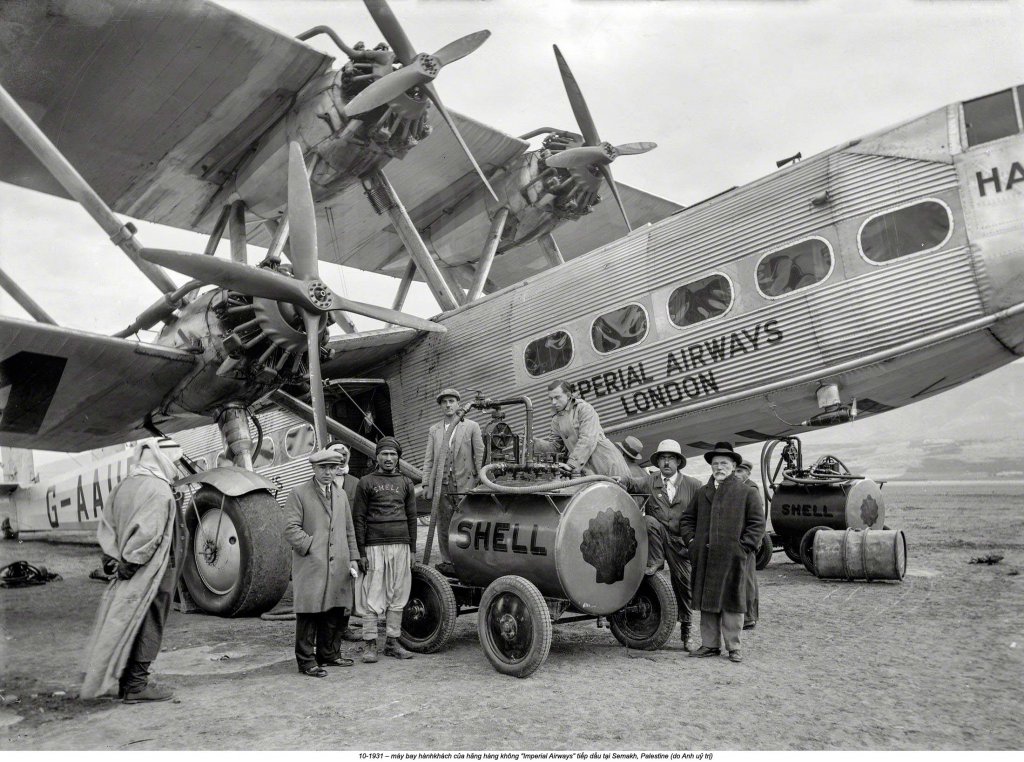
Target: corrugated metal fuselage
{"points": [[753, 371]]}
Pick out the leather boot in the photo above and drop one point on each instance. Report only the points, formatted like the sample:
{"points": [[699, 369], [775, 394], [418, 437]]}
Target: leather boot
{"points": [[393, 648], [684, 634], [369, 651]]}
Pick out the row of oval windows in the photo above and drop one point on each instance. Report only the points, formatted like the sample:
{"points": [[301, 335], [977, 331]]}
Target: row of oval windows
{"points": [[913, 229]]}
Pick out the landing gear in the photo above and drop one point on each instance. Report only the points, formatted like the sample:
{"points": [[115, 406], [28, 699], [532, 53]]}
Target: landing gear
{"points": [[237, 562], [514, 624], [647, 621]]}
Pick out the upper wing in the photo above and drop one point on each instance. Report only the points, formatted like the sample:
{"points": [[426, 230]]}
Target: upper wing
{"points": [[152, 103], [62, 389], [431, 177], [603, 225]]}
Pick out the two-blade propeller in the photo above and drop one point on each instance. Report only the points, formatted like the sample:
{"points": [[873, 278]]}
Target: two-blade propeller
{"points": [[306, 291], [594, 153], [418, 70]]}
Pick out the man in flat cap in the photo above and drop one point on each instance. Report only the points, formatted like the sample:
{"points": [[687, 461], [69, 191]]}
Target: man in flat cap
{"points": [[722, 527], [318, 526], [345, 481], [455, 454], [670, 492], [138, 528], [385, 519]]}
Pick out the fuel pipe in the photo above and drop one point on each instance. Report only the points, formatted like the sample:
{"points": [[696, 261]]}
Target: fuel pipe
{"points": [[501, 468]]}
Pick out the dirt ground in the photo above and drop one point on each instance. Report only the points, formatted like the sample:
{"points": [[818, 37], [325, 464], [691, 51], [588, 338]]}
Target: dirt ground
{"points": [[934, 662]]}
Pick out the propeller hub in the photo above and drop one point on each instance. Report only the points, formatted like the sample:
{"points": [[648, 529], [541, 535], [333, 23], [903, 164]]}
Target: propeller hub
{"points": [[320, 294], [609, 150], [429, 64]]}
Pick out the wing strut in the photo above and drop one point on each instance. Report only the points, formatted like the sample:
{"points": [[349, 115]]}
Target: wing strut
{"points": [[403, 286], [483, 267], [122, 234], [379, 189], [551, 250], [8, 284]]}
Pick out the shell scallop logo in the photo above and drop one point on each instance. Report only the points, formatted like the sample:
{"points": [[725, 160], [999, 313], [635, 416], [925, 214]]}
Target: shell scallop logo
{"points": [[869, 511], [608, 545]]}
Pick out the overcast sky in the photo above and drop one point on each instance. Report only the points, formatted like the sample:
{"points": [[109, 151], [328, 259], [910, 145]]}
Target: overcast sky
{"points": [[724, 88]]}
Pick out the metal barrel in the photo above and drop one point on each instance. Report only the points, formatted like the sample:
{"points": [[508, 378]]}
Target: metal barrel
{"points": [[587, 545], [866, 554]]}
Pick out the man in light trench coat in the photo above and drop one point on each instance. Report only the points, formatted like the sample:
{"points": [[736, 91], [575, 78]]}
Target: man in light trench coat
{"points": [[576, 428], [318, 526], [454, 456]]}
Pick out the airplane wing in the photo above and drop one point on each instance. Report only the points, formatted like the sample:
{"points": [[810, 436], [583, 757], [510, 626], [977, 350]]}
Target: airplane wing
{"points": [[357, 352], [603, 225], [62, 389], [153, 103]]}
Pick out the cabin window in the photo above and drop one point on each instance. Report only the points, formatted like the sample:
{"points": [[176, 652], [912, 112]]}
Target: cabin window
{"points": [[990, 118], [701, 300], [298, 441], [201, 463], [797, 266], [901, 232], [619, 328], [265, 456], [548, 353]]}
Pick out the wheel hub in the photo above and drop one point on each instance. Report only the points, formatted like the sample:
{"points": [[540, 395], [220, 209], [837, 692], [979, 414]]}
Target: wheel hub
{"points": [[217, 552], [508, 627], [415, 609]]}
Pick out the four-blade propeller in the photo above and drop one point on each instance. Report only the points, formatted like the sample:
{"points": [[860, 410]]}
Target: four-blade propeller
{"points": [[306, 291], [418, 70], [594, 153]]}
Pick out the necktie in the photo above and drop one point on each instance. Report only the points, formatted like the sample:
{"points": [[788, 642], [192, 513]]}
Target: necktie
{"points": [[670, 489]]}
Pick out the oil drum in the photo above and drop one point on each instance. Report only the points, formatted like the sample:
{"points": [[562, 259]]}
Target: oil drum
{"points": [[852, 505], [586, 544], [860, 554]]}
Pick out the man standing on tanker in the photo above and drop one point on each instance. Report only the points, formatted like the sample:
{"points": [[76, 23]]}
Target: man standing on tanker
{"points": [[670, 492], [576, 427], [455, 454], [385, 521]]}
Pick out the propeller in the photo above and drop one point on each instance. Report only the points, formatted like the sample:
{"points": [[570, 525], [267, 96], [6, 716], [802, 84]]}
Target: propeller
{"points": [[418, 70], [306, 291], [594, 153]]}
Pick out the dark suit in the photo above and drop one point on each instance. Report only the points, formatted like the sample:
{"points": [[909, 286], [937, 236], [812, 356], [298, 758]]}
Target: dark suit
{"points": [[663, 538]]}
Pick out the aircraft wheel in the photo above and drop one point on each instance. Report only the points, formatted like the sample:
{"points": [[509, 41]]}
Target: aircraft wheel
{"points": [[237, 562], [791, 547], [514, 624], [807, 548], [429, 617], [647, 621], [764, 552]]}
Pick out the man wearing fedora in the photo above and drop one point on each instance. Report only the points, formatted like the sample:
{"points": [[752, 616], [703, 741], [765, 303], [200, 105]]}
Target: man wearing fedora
{"points": [[318, 526], [722, 527], [670, 492], [744, 470], [455, 454]]}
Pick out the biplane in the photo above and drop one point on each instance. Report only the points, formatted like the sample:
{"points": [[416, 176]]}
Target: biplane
{"points": [[876, 273]]}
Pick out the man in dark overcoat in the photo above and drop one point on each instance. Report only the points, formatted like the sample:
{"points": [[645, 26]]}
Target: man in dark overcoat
{"points": [[722, 527], [318, 526], [745, 469], [670, 492]]}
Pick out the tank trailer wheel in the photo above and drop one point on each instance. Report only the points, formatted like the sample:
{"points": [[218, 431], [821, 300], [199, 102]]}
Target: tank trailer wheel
{"points": [[514, 624], [429, 617], [791, 547], [237, 562], [807, 548], [764, 552], [647, 621]]}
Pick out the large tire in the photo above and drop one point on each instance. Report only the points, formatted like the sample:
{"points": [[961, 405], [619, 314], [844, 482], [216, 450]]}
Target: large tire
{"points": [[647, 621], [428, 620], [807, 548], [764, 552], [514, 625], [237, 563]]}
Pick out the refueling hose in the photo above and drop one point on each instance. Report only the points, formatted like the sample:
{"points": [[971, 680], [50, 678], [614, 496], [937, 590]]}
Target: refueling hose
{"points": [[484, 476]]}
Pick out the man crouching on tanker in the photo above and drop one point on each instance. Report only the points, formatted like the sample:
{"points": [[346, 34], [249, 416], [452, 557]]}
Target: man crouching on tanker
{"points": [[722, 526], [385, 521]]}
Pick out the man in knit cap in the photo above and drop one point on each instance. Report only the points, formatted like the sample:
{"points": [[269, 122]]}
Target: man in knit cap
{"points": [[385, 522]]}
